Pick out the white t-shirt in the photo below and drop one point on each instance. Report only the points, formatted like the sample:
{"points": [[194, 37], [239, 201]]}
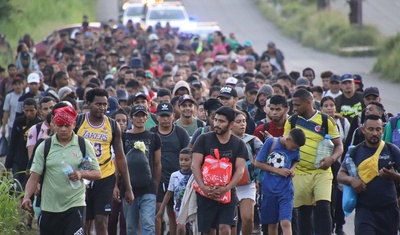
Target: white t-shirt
{"points": [[11, 104], [329, 93]]}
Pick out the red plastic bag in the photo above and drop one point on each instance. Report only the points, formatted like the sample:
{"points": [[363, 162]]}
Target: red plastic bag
{"points": [[216, 172]]}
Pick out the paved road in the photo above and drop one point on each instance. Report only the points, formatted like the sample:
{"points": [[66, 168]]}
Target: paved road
{"points": [[244, 19], [383, 14]]}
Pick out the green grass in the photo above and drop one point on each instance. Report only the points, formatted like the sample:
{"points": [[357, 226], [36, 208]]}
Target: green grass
{"points": [[326, 30], [41, 17]]}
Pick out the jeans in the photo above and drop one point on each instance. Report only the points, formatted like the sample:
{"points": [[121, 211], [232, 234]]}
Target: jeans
{"points": [[145, 206]]}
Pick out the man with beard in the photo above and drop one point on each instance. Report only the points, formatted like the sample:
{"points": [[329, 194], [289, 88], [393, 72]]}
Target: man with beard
{"points": [[279, 108], [173, 139], [264, 93], [187, 120], [250, 91], [377, 211], [212, 214]]}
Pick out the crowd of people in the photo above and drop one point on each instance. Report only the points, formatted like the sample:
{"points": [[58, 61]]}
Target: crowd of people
{"points": [[151, 105]]}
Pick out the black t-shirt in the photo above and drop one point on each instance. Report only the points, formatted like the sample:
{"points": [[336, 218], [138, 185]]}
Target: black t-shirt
{"points": [[153, 143], [172, 144], [350, 107], [380, 192], [234, 148]]}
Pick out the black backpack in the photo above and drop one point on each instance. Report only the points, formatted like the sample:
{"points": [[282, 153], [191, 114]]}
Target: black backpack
{"points": [[139, 168], [47, 146]]}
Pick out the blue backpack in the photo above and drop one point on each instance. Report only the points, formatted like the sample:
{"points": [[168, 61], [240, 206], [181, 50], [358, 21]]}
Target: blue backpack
{"points": [[395, 131]]}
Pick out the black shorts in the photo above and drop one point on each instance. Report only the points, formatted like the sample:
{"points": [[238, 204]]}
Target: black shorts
{"points": [[162, 190], [99, 197], [19, 174], [211, 213], [69, 222]]}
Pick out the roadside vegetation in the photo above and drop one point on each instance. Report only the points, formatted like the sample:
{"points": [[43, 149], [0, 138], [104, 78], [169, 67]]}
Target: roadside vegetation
{"points": [[322, 29], [40, 17], [387, 65]]}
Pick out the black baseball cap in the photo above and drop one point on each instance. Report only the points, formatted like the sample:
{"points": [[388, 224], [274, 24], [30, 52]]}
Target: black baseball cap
{"points": [[227, 92], [371, 91], [25, 55], [196, 83], [184, 98], [212, 104], [138, 108], [140, 94], [251, 87], [335, 78], [165, 108]]}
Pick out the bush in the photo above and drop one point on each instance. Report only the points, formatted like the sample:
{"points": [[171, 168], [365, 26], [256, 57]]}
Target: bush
{"points": [[10, 216], [40, 17], [388, 61], [323, 30]]}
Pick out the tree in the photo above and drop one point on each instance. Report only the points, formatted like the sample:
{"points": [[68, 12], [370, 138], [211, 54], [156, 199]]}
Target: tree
{"points": [[6, 10]]}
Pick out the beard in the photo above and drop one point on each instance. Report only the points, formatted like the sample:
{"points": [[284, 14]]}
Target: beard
{"points": [[220, 131], [373, 140]]}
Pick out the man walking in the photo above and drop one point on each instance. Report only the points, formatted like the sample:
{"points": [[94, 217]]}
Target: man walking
{"points": [[313, 186], [62, 205], [212, 214], [103, 133], [377, 211], [173, 138]]}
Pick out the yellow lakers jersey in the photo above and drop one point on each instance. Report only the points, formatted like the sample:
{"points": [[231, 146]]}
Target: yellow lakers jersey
{"points": [[101, 138]]}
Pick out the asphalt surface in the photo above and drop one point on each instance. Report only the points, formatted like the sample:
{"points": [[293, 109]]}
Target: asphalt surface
{"points": [[245, 20], [383, 14]]}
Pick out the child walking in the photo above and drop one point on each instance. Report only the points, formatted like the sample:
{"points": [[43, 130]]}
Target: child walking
{"points": [[278, 158], [177, 186]]}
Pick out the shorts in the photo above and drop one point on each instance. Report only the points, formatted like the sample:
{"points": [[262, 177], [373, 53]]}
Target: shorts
{"points": [[246, 191], [310, 188], [211, 213], [276, 208], [99, 197], [162, 190], [384, 221], [69, 222]]}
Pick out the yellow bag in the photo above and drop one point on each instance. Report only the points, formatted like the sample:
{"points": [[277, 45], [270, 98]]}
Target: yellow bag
{"points": [[368, 169]]}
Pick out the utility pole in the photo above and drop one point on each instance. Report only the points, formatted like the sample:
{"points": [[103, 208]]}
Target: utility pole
{"points": [[359, 15]]}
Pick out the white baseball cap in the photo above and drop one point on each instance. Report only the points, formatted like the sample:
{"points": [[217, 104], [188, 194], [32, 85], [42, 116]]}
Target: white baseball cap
{"points": [[33, 77], [231, 81]]}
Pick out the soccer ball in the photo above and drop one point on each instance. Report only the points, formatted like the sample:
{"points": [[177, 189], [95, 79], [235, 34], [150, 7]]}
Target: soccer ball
{"points": [[276, 160]]}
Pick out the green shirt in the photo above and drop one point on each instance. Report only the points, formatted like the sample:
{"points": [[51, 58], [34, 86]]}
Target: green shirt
{"points": [[57, 193], [150, 123], [192, 128]]}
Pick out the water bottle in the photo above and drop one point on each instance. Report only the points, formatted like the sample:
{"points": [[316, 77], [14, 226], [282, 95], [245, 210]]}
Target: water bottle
{"points": [[351, 166], [67, 169], [324, 149], [86, 163]]}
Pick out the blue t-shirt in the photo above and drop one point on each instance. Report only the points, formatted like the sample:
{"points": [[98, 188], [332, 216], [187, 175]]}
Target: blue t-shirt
{"points": [[177, 184], [280, 157], [380, 192]]}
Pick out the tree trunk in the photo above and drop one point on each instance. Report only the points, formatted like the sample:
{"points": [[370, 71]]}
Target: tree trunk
{"points": [[323, 4], [354, 11]]}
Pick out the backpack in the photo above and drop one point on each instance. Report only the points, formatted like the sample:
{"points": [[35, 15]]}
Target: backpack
{"points": [[81, 117], [395, 131], [139, 168], [47, 146], [324, 125], [250, 170], [200, 123], [79, 120], [275, 140]]}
